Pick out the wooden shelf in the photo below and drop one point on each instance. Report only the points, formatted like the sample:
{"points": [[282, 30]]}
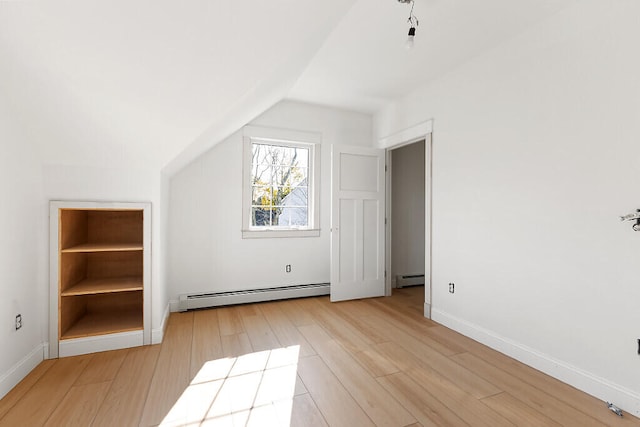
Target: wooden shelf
{"points": [[104, 286], [103, 322], [104, 247], [102, 255]]}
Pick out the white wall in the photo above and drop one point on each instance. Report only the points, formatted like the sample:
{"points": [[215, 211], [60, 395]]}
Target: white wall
{"points": [[29, 181], [407, 208], [536, 152], [51, 147], [22, 251], [206, 249]]}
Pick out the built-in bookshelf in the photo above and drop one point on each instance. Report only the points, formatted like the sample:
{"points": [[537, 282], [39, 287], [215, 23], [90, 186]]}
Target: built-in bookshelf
{"points": [[101, 258]]}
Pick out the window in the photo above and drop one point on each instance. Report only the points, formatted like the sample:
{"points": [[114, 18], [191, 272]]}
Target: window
{"points": [[280, 198], [279, 185]]}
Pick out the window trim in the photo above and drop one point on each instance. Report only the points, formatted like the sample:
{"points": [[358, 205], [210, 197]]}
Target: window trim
{"points": [[285, 137]]}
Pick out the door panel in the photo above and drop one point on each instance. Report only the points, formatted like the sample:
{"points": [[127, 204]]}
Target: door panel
{"points": [[365, 177], [347, 268], [371, 239]]}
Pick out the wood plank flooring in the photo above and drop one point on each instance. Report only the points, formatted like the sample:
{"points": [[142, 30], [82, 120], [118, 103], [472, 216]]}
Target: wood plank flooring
{"points": [[304, 362]]}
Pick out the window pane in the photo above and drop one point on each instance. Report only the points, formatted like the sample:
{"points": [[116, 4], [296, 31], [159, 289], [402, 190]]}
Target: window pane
{"points": [[261, 174], [302, 157], [289, 156], [279, 154], [260, 217], [286, 156], [290, 216], [289, 176], [296, 196], [262, 196], [263, 154], [293, 156]]}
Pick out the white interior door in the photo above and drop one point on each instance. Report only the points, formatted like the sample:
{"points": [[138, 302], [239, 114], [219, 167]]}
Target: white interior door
{"points": [[357, 223]]}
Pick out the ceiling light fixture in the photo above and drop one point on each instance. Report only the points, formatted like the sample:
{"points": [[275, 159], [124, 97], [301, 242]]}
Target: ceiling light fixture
{"points": [[413, 23]]}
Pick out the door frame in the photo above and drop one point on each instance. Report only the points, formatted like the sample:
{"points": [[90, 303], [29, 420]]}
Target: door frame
{"points": [[418, 132]]}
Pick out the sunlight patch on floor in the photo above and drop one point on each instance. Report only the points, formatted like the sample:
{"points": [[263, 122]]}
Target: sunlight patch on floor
{"points": [[252, 389]]}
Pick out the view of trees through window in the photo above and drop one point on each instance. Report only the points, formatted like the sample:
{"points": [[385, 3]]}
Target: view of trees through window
{"points": [[279, 184]]}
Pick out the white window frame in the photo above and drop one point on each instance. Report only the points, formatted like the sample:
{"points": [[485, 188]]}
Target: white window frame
{"points": [[285, 137]]}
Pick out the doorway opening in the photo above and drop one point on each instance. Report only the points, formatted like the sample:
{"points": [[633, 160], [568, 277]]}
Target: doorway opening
{"points": [[408, 231]]}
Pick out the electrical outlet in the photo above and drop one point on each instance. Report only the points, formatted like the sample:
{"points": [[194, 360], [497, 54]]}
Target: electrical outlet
{"points": [[18, 321], [287, 268], [452, 288]]}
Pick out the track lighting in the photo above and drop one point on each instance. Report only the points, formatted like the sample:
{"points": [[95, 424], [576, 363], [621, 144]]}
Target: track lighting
{"points": [[412, 33], [413, 23]]}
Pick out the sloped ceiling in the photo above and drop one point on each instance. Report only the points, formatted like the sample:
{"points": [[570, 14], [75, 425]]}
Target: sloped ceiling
{"points": [[158, 82], [115, 82]]}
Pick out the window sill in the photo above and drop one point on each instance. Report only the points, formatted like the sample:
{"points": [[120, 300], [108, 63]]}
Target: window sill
{"points": [[257, 234]]}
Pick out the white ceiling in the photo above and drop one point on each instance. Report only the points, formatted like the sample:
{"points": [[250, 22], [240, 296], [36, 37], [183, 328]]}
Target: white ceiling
{"points": [[121, 82], [363, 64]]}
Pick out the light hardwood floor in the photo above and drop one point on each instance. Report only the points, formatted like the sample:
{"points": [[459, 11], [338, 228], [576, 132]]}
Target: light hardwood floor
{"points": [[302, 362]]}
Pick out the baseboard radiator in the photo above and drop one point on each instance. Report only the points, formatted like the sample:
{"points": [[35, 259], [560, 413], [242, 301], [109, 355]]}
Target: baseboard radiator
{"points": [[403, 280], [217, 299]]}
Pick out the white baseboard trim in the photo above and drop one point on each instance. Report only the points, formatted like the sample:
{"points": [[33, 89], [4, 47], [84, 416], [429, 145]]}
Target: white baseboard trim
{"points": [[626, 399], [174, 305], [76, 346], [17, 372], [427, 310], [158, 334]]}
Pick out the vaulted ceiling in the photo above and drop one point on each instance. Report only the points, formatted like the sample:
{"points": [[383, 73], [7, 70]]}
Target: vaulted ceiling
{"points": [[123, 82]]}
